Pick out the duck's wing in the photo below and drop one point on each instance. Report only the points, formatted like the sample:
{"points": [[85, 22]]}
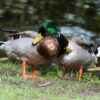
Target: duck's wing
{"points": [[80, 41], [26, 34]]}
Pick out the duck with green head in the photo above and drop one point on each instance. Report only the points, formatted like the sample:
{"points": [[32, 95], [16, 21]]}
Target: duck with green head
{"points": [[48, 28], [78, 58], [21, 46]]}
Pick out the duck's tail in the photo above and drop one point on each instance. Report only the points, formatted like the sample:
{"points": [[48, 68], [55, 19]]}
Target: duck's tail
{"points": [[97, 51], [2, 41]]}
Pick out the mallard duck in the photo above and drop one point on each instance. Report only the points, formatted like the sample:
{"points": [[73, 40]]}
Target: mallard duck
{"points": [[24, 47], [20, 47], [82, 54], [48, 28]]}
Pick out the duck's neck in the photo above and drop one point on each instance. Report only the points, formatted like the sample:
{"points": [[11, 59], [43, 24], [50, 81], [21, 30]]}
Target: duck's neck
{"points": [[63, 43]]}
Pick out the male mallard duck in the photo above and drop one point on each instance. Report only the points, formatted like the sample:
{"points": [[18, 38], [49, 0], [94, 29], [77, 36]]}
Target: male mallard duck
{"points": [[48, 28], [82, 54], [24, 47], [82, 51], [20, 47]]}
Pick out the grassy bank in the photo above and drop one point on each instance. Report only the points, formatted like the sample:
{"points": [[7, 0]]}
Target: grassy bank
{"points": [[53, 87]]}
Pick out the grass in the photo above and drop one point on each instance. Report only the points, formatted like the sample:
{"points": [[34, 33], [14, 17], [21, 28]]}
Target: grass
{"points": [[14, 87]]}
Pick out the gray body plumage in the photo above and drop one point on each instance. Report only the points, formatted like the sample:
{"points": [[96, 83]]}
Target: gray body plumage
{"points": [[79, 57], [22, 49]]}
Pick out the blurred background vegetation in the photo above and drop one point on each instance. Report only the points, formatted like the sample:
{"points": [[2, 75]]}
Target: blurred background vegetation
{"points": [[72, 17], [82, 13]]}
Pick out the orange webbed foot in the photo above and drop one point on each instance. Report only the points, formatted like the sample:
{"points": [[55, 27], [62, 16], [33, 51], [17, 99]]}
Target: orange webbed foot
{"points": [[33, 73], [35, 76], [26, 76]]}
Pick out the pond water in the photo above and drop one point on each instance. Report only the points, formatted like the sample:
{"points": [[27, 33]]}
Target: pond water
{"points": [[72, 17]]}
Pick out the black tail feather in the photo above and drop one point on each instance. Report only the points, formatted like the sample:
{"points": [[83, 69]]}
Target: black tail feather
{"points": [[1, 43]]}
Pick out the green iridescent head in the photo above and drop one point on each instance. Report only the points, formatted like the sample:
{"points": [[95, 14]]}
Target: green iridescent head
{"points": [[48, 28]]}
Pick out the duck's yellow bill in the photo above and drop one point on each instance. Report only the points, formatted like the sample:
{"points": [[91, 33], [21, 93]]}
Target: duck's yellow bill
{"points": [[40, 37], [68, 50]]}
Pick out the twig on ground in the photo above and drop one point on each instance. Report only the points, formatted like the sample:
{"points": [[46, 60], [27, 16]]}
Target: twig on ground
{"points": [[94, 69], [44, 84], [4, 59]]}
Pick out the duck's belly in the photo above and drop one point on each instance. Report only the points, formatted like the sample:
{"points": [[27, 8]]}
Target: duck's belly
{"points": [[78, 59], [23, 50], [71, 60], [32, 59]]}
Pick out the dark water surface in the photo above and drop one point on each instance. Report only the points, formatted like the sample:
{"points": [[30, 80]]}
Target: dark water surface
{"points": [[72, 17]]}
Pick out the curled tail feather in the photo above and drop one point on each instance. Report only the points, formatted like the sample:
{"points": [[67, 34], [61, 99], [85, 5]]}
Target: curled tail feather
{"points": [[3, 41], [98, 51]]}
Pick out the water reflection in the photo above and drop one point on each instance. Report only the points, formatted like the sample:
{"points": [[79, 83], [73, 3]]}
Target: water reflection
{"points": [[78, 17], [77, 31]]}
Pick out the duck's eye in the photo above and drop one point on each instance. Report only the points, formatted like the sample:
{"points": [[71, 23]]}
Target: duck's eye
{"points": [[16, 37]]}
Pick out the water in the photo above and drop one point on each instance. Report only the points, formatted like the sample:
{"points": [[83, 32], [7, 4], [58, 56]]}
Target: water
{"points": [[72, 17]]}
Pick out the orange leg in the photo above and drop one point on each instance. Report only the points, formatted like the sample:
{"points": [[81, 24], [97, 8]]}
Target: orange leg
{"points": [[66, 71], [23, 70], [80, 73], [33, 74]]}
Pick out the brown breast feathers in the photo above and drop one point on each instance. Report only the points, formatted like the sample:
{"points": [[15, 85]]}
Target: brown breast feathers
{"points": [[49, 46]]}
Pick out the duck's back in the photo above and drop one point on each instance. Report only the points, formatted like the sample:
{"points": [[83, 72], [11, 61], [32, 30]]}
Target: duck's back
{"points": [[78, 57]]}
